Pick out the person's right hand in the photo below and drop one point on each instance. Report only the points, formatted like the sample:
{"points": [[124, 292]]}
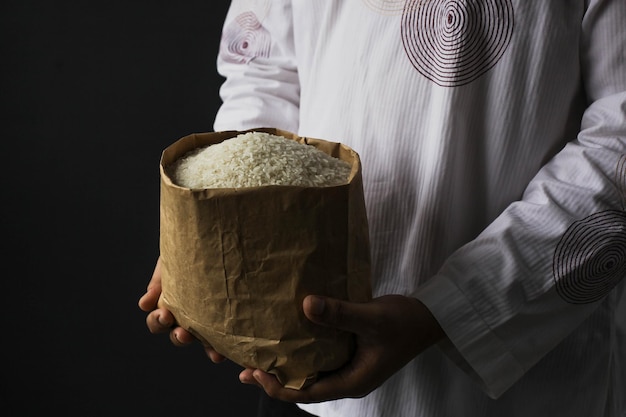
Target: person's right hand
{"points": [[390, 331], [161, 320]]}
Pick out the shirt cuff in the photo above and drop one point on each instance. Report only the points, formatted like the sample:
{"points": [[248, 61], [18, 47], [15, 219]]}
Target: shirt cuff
{"points": [[470, 343]]}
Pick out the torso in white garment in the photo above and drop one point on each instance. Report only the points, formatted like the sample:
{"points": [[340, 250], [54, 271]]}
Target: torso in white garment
{"points": [[493, 140]]}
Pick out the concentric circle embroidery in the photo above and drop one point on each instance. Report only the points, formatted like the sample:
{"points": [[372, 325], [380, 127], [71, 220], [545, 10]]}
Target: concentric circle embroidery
{"points": [[590, 259], [245, 39], [453, 42], [387, 7]]}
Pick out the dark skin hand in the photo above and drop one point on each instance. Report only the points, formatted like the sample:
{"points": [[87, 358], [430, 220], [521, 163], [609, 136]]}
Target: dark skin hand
{"points": [[161, 320], [390, 331]]}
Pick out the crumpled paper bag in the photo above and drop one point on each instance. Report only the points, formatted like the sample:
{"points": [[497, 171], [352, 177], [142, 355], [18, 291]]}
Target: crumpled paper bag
{"points": [[237, 263]]}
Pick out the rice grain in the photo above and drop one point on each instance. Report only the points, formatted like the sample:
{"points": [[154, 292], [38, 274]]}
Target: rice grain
{"points": [[257, 159]]}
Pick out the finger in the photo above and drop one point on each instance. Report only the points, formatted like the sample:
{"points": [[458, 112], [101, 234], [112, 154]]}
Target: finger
{"points": [[349, 382], [352, 317], [214, 355], [149, 300], [326, 389], [246, 377], [181, 337], [160, 321], [275, 389]]}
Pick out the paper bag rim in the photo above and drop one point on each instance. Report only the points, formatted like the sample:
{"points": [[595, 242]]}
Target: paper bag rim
{"points": [[196, 140]]}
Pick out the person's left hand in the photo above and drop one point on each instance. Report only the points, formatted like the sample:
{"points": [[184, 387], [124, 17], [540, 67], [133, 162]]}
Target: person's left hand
{"points": [[161, 320], [390, 331]]}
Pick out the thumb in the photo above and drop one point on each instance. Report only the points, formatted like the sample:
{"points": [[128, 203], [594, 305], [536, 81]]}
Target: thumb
{"points": [[343, 315]]}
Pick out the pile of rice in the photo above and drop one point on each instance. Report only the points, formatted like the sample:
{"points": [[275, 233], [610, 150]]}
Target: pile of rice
{"points": [[257, 159]]}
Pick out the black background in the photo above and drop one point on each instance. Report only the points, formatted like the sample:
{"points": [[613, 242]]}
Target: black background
{"points": [[92, 92]]}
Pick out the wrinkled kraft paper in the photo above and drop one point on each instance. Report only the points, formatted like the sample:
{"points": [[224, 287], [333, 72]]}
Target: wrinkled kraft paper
{"points": [[237, 263]]}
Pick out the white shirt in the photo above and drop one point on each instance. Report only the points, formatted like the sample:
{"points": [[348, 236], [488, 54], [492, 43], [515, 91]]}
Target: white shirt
{"points": [[492, 136]]}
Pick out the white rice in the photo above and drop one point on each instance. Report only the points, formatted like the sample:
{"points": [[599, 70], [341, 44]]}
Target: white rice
{"points": [[257, 159]]}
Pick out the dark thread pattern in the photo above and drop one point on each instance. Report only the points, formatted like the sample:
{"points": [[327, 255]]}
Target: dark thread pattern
{"points": [[245, 39], [590, 258], [453, 42]]}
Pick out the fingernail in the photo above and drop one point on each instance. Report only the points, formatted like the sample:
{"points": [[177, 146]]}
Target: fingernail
{"points": [[318, 305], [164, 322]]}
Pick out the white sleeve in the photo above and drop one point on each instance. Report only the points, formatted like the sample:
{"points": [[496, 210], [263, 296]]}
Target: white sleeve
{"points": [[257, 59], [532, 276]]}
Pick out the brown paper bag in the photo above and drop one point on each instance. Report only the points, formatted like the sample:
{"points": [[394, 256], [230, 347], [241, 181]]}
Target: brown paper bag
{"points": [[237, 263]]}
